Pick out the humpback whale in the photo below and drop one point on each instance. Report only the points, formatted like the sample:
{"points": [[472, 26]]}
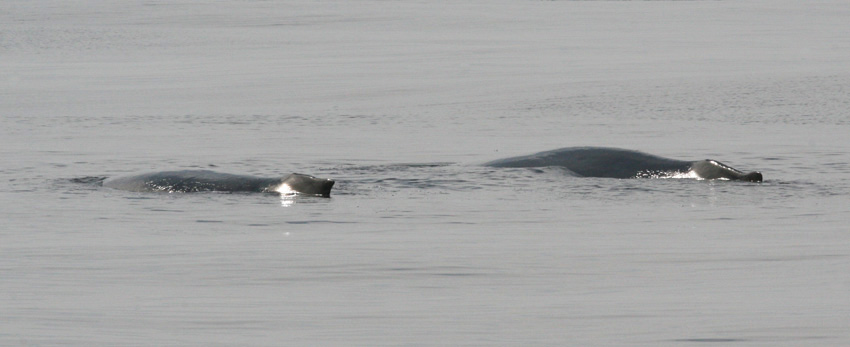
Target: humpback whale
{"points": [[623, 163], [188, 181]]}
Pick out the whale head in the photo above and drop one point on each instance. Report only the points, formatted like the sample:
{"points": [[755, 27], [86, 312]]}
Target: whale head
{"points": [[711, 169], [305, 184], [753, 176]]}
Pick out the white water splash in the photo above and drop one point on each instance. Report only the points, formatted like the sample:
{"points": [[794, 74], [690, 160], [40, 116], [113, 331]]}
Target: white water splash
{"points": [[668, 174]]}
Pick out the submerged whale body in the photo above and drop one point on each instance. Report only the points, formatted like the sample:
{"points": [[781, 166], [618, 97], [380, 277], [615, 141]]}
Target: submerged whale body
{"points": [[623, 163], [188, 181]]}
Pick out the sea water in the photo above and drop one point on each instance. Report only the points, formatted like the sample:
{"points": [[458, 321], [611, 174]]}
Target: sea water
{"points": [[400, 102]]}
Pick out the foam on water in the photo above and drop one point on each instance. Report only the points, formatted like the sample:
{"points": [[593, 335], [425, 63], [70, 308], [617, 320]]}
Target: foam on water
{"points": [[691, 174]]}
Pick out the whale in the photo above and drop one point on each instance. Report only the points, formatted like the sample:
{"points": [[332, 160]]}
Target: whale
{"points": [[624, 163], [189, 181]]}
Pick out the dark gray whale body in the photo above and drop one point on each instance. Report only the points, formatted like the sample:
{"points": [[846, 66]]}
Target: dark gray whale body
{"points": [[623, 163], [187, 181]]}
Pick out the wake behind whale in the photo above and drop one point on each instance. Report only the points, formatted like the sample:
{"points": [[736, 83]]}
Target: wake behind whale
{"points": [[188, 181], [623, 163]]}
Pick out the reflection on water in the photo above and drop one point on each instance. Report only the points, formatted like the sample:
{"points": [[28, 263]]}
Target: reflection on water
{"points": [[287, 200]]}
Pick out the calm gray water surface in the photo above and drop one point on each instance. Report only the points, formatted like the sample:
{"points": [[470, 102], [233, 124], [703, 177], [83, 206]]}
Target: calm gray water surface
{"points": [[419, 245]]}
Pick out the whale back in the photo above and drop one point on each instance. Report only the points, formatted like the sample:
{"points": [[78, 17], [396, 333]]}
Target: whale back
{"points": [[188, 181], [598, 162]]}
